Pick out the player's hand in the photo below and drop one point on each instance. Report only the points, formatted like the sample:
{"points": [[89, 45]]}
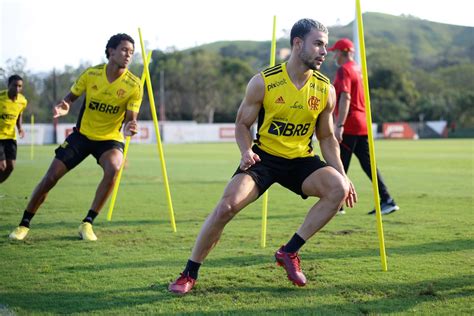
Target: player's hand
{"points": [[21, 132], [338, 133], [351, 198], [131, 128], [61, 109], [249, 158]]}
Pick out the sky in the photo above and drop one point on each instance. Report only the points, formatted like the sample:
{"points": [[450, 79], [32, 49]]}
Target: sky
{"points": [[55, 33]]}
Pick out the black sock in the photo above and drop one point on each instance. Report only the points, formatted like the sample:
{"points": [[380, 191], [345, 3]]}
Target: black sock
{"points": [[27, 216], [91, 215], [295, 243], [192, 269]]}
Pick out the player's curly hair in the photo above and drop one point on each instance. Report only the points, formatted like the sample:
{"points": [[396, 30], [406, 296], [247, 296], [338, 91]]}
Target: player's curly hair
{"points": [[115, 40], [14, 78], [303, 27]]}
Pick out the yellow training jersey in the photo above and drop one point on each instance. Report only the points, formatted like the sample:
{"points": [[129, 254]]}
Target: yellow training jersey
{"points": [[106, 103], [288, 116], [9, 113]]}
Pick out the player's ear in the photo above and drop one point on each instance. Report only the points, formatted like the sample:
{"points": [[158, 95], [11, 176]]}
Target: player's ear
{"points": [[110, 50], [298, 43]]}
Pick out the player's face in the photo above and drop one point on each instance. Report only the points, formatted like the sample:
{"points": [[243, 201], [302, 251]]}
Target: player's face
{"points": [[122, 55], [313, 49], [338, 58], [16, 87]]}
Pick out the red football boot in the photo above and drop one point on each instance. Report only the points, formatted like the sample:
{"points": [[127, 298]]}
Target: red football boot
{"points": [[182, 285], [291, 262]]}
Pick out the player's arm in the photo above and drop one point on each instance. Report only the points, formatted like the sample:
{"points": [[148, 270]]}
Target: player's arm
{"points": [[19, 126], [246, 116], [133, 107], [343, 110], [131, 125], [62, 108], [329, 145]]}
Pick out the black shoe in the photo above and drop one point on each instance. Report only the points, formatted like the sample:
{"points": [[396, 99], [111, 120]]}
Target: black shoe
{"points": [[386, 207]]}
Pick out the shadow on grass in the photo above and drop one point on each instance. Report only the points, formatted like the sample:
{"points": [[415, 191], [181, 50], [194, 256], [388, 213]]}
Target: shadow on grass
{"points": [[259, 259], [397, 298], [83, 302], [416, 249], [103, 224]]}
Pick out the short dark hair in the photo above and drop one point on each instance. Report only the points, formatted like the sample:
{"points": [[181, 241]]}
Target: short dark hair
{"points": [[14, 78], [115, 40], [303, 27]]}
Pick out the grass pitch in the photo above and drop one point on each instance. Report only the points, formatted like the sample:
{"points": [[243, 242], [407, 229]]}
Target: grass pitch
{"points": [[429, 241]]}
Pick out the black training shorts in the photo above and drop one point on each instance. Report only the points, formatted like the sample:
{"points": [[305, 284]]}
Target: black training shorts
{"points": [[7, 149], [290, 173], [77, 147]]}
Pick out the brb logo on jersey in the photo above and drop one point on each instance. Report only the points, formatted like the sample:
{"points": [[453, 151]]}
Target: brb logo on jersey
{"points": [[288, 129], [104, 108]]}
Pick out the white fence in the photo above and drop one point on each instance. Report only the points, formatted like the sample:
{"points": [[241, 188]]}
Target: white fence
{"points": [[172, 132]]}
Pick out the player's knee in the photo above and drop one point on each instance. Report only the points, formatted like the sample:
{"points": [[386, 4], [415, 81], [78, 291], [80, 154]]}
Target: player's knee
{"points": [[115, 170], [112, 170], [3, 166], [49, 180], [339, 191], [226, 210]]}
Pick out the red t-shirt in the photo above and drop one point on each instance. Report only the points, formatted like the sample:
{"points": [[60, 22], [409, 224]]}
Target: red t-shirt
{"points": [[349, 79]]}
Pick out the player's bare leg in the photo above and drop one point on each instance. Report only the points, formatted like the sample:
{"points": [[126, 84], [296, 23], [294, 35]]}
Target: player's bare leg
{"points": [[6, 169], [56, 171], [240, 192], [110, 161], [332, 189]]}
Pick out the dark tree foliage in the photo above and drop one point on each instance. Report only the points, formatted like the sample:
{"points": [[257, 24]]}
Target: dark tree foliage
{"points": [[417, 70]]}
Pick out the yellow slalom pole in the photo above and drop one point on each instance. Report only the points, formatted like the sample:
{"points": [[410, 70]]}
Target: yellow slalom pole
{"points": [[263, 240], [117, 182], [125, 151], [157, 132], [32, 132], [273, 48], [368, 114]]}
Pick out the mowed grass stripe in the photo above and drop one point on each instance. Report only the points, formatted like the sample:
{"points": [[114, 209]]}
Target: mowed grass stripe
{"points": [[429, 241]]}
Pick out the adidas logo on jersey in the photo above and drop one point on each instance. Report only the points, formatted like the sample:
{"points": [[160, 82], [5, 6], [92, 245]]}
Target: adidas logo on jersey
{"points": [[280, 100]]}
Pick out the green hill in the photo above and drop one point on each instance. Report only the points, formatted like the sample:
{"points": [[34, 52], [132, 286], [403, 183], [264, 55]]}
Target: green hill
{"points": [[429, 42], [417, 68]]}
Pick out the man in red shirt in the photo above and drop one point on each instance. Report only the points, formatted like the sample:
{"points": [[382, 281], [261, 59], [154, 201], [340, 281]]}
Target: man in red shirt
{"points": [[350, 122]]}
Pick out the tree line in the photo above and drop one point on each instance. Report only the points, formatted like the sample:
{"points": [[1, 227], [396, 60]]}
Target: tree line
{"points": [[206, 84]]}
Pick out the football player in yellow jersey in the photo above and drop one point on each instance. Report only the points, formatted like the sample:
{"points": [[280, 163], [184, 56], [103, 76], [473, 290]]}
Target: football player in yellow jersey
{"points": [[12, 105], [283, 154], [113, 95]]}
